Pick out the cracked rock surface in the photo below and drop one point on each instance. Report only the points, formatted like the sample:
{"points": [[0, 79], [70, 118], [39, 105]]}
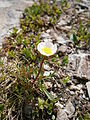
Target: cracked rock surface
{"points": [[10, 12]]}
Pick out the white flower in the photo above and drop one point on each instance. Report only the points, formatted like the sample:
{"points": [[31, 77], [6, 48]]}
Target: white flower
{"points": [[47, 48]]}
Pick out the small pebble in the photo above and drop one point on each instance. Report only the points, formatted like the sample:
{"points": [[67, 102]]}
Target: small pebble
{"points": [[72, 93]]}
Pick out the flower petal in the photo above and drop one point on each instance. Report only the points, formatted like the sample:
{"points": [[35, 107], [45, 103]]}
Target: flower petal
{"points": [[47, 48]]}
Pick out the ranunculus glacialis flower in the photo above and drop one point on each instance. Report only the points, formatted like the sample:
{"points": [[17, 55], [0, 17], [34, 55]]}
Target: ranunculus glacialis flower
{"points": [[47, 48]]}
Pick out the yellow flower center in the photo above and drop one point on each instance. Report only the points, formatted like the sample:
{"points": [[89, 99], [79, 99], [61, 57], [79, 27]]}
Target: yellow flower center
{"points": [[47, 50]]}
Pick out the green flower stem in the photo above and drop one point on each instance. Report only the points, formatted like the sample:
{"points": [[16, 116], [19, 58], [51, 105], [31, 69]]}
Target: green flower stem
{"points": [[39, 70]]}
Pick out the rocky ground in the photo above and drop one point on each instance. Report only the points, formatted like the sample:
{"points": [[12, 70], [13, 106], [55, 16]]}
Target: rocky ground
{"points": [[10, 12], [71, 82]]}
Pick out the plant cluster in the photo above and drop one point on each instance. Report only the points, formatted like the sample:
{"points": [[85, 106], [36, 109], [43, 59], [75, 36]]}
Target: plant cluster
{"points": [[81, 37], [20, 65], [41, 16]]}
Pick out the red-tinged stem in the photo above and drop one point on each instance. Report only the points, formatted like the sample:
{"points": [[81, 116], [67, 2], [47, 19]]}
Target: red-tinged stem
{"points": [[39, 70]]}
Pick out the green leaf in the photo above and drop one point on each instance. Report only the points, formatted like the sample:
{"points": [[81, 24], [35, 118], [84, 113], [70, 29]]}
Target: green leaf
{"points": [[1, 62], [1, 107], [40, 103], [65, 60], [50, 97], [27, 52], [11, 54], [73, 38], [87, 116], [19, 38], [14, 32], [65, 80], [53, 117], [80, 118], [26, 42], [78, 0], [50, 107]]}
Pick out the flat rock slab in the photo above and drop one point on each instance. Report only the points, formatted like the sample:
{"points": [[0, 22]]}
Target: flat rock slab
{"points": [[79, 65], [10, 12], [88, 88]]}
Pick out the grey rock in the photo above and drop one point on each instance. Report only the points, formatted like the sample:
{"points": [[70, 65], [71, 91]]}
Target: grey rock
{"points": [[47, 73], [84, 5], [80, 86], [45, 35], [5, 4], [48, 31], [60, 40], [73, 87], [79, 65], [47, 40], [72, 93], [88, 88], [84, 96], [62, 49], [53, 94], [48, 85], [61, 114], [62, 22], [46, 67], [10, 12], [61, 99], [81, 91], [58, 104], [66, 28], [76, 87], [66, 113], [69, 109]]}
